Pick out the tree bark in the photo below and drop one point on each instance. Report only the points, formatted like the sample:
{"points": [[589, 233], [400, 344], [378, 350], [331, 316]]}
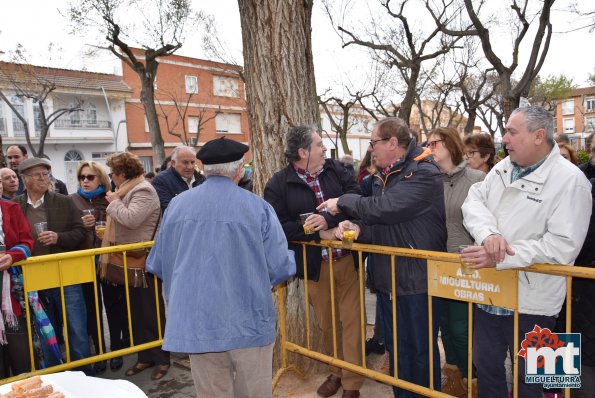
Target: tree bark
{"points": [[281, 93]]}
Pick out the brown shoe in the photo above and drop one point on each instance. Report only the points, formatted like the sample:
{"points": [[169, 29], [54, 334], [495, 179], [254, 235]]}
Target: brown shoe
{"points": [[350, 394], [330, 386], [454, 381]]}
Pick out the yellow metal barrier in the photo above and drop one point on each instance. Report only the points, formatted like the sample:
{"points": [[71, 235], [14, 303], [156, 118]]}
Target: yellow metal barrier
{"points": [[499, 288], [72, 268]]}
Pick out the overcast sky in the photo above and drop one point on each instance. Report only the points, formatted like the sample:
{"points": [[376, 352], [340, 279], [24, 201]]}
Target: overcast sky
{"points": [[36, 23]]}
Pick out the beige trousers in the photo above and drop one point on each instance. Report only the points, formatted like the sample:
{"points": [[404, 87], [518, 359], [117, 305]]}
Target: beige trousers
{"points": [[347, 316], [241, 373]]}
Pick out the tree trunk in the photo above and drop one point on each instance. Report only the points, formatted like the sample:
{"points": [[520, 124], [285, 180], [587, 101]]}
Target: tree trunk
{"points": [[471, 116], [409, 99], [281, 93], [147, 98]]}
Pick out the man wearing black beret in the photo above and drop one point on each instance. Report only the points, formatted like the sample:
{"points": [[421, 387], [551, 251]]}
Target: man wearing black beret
{"points": [[219, 251]]}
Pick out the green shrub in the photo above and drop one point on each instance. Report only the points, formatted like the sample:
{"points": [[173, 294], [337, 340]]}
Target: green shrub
{"points": [[583, 156]]}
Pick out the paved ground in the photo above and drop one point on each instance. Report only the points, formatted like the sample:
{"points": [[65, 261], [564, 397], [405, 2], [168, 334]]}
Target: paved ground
{"points": [[178, 382]]}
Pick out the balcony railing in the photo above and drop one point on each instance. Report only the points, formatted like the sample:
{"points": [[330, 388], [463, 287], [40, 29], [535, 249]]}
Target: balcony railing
{"points": [[82, 124]]}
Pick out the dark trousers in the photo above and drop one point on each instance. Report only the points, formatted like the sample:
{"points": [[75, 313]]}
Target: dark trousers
{"points": [[493, 335], [89, 293], [14, 356], [412, 339], [454, 321], [144, 320], [114, 300]]}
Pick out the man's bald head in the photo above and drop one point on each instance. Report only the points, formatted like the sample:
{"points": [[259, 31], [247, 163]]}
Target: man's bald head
{"points": [[10, 182]]}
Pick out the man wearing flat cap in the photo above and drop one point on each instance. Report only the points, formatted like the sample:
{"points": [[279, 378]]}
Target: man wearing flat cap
{"points": [[64, 232], [218, 261]]}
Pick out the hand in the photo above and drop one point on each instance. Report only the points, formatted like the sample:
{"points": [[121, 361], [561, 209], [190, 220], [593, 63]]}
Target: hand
{"points": [[88, 220], [316, 222], [5, 261], [497, 248], [111, 196], [347, 224], [47, 238], [328, 234], [330, 206]]}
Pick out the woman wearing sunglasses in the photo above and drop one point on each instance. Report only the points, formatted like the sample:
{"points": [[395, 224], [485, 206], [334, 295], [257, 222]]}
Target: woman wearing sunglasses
{"points": [[90, 199]]}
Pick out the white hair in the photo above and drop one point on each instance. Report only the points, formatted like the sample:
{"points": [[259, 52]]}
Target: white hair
{"points": [[223, 169], [178, 149]]}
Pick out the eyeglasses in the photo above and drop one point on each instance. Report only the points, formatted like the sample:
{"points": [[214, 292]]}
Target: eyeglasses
{"points": [[39, 176], [373, 142], [432, 144], [90, 177], [470, 154]]}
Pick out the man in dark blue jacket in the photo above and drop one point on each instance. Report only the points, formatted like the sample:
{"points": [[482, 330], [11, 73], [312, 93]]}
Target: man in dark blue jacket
{"points": [[179, 177], [406, 210], [307, 181]]}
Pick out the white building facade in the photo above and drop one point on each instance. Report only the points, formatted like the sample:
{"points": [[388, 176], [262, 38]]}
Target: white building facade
{"points": [[91, 133]]}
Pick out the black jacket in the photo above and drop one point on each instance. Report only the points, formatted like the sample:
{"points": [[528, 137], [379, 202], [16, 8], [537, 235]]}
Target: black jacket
{"points": [[291, 196], [583, 294], [405, 210], [169, 183], [588, 169]]}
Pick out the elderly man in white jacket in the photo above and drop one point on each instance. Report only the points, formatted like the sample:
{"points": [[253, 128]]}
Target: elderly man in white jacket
{"points": [[533, 207]]}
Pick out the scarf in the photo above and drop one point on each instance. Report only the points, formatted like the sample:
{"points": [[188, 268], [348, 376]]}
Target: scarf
{"points": [[109, 236], [90, 195]]}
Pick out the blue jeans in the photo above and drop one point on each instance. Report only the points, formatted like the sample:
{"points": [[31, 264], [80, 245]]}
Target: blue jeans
{"points": [[76, 315], [412, 339]]}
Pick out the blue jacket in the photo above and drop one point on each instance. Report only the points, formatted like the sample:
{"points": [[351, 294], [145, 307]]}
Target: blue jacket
{"points": [[169, 183], [218, 261]]}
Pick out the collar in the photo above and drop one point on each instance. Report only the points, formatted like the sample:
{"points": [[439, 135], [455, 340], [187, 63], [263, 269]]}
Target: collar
{"points": [[36, 204], [520, 172], [305, 173]]}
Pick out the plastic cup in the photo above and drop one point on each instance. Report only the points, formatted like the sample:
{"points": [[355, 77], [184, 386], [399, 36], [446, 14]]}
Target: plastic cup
{"points": [[40, 227], [465, 270], [303, 217], [348, 237], [100, 229], [88, 212]]}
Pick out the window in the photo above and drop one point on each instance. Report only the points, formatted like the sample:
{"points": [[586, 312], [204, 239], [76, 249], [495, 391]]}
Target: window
{"points": [[590, 104], [147, 162], [73, 156], [75, 117], [193, 124], [225, 86], [2, 124], [568, 125], [590, 124], [568, 107], [191, 85], [91, 114], [228, 123], [17, 126], [37, 117]]}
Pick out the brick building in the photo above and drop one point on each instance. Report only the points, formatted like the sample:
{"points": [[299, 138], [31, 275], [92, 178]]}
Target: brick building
{"points": [[575, 115], [197, 101]]}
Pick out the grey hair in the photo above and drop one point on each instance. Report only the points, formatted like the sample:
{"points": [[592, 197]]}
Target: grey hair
{"points": [[537, 117], [178, 149], [223, 169], [296, 138]]}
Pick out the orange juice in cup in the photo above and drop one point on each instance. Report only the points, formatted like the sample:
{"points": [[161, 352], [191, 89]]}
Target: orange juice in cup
{"points": [[307, 229], [348, 237], [100, 229]]}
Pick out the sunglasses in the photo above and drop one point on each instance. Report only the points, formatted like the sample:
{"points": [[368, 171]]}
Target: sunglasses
{"points": [[90, 177]]}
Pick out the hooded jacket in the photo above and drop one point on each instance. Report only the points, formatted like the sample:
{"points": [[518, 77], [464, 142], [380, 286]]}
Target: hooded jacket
{"points": [[406, 210]]}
